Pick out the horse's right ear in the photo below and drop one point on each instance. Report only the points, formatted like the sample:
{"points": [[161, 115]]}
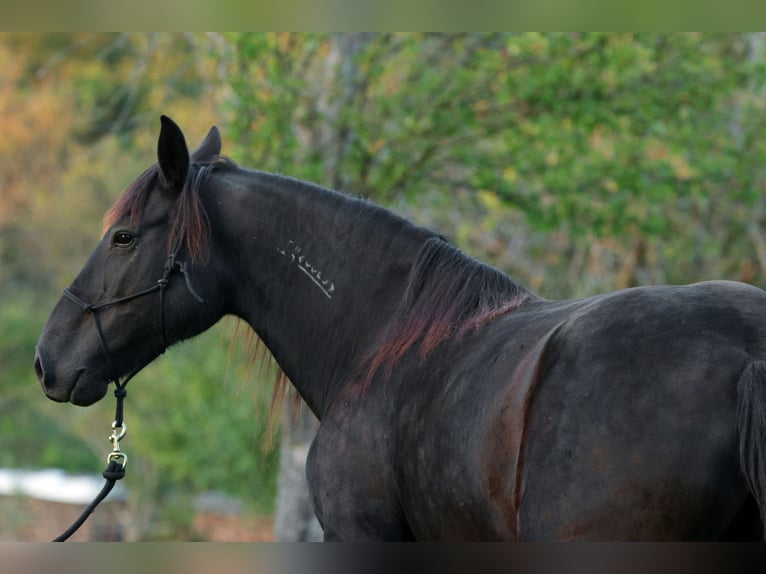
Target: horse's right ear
{"points": [[172, 154]]}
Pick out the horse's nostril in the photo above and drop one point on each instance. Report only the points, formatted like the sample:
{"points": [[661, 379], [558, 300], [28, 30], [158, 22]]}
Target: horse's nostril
{"points": [[39, 367]]}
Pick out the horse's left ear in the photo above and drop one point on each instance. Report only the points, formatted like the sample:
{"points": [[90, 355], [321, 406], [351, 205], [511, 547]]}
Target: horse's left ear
{"points": [[172, 154], [209, 148]]}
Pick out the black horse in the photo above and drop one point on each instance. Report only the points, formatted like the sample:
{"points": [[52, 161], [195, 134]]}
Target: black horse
{"points": [[454, 403]]}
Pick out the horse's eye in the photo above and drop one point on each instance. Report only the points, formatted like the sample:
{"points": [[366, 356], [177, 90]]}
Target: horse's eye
{"points": [[123, 239]]}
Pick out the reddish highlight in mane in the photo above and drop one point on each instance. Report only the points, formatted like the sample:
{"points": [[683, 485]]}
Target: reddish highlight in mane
{"points": [[190, 222], [448, 296], [131, 202]]}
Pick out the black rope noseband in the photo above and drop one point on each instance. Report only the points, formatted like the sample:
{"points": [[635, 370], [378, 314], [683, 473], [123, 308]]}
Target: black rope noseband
{"points": [[117, 460]]}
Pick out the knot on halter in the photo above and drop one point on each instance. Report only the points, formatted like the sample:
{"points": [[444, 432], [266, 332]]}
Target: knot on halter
{"points": [[84, 305], [171, 262], [120, 392]]}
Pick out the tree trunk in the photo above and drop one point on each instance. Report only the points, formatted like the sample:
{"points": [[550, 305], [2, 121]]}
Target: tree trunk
{"points": [[295, 519]]}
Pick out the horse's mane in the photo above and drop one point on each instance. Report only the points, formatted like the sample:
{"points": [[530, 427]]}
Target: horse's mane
{"points": [[447, 296]]}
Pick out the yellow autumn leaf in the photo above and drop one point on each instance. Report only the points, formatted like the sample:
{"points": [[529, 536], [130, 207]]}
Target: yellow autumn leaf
{"points": [[610, 185], [489, 199], [681, 168]]}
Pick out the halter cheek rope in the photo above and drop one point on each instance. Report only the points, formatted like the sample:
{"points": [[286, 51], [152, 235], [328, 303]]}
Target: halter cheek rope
{"points": [[116, 459]]}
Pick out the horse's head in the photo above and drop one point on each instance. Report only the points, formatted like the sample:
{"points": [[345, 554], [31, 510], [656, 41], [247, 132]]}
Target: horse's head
{"points": [[148, 284]]}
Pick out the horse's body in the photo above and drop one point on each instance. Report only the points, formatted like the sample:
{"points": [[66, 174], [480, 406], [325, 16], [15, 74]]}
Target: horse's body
{"points": [[612, 417], [454, 404]]}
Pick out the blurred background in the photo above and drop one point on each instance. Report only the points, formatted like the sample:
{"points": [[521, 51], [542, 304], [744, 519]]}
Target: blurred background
{"points": [[577, 163]]}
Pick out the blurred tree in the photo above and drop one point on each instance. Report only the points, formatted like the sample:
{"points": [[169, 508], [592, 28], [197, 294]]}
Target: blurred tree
{"points": [[633, 140]]}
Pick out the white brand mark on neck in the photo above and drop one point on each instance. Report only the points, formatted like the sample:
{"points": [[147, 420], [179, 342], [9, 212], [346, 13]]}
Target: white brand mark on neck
{"points": [[293, 252]]}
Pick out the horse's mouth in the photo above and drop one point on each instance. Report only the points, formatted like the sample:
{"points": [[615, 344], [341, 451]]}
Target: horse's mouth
{"points": [[87, 392], [83, 391]]}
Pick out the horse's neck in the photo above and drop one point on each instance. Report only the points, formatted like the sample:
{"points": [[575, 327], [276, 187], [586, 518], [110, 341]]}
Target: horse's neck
{"points": [[321, 275]]}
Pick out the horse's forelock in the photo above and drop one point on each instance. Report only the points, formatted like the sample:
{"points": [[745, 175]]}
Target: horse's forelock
{"points": [[132, 201]]}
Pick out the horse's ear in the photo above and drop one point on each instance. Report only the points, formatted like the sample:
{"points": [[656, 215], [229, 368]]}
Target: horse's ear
{"points": [[172, 154], [209, 148]]}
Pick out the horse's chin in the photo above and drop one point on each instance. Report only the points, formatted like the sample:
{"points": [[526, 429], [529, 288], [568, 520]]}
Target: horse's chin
{"points": [[85, 393]]}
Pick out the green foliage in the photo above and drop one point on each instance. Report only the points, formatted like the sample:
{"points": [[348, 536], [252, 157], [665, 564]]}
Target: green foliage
{"points": [[611, 132], [640, 143], [372, 114], [31, 434]]}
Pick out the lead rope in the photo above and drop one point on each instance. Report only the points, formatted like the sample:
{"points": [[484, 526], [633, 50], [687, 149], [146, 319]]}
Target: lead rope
{"points": [[116, 463]]}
